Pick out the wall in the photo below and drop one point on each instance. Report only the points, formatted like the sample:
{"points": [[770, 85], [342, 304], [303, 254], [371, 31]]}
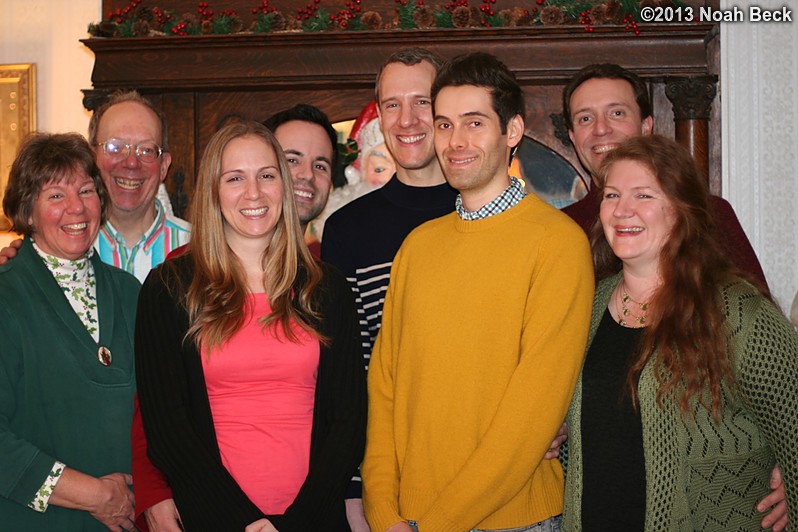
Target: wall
{"points": [[759, 74], [46, 32]]}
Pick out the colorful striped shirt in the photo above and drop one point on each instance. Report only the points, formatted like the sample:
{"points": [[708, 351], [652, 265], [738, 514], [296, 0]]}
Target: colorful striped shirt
{"points": [[165, 234]]}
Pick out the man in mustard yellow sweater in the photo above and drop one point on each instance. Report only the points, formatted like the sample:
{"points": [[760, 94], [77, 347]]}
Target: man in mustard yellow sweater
{"points": [[483, 334]]}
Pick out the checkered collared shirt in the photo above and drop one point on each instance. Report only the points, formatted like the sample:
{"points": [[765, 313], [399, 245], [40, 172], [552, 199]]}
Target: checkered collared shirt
{"points": [[508, 198]]}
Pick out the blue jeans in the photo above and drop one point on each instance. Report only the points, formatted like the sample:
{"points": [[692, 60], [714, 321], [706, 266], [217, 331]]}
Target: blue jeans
{"points": [[549, 525]]}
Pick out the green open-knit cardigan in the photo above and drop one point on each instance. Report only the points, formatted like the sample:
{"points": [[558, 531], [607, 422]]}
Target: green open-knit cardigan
{"points": [[705, 475]]}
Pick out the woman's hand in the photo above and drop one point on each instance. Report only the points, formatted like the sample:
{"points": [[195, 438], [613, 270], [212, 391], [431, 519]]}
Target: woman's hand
{"points": [[356, 516], [261, 525], [115, 504], [163, 517], [778, 518], [108, 499], [559, 439]]}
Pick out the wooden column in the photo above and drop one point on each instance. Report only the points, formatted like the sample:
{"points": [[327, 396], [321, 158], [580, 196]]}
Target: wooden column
{"points": [[692, 99]]}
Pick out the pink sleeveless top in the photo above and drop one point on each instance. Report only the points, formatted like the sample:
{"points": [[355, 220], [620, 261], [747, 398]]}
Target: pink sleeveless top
{"points": [[261, 389]]}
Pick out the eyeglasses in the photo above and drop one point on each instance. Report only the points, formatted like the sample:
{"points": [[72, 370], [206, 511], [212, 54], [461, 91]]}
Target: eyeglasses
{"points": [[146, 152]]}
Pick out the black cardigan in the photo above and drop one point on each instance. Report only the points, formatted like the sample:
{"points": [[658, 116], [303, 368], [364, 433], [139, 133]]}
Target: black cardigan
{"points": [[177, 417]]}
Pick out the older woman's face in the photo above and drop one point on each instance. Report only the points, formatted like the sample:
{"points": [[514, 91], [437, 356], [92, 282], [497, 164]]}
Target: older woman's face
{"points": [[66, 215], [636, 215], [250, 192]]}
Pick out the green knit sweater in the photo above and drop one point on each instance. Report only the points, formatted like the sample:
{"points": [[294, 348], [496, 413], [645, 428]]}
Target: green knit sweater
{"points": [[706, 475]]}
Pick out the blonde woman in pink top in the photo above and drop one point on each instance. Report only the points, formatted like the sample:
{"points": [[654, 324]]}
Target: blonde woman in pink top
{"points": [[250, 376]]}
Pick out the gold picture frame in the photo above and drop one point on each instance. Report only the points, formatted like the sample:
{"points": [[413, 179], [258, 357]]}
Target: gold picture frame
{"points": [[17, 114]]}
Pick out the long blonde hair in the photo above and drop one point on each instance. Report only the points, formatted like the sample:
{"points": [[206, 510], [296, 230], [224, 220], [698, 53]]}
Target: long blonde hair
{"points": [[216, 296]]}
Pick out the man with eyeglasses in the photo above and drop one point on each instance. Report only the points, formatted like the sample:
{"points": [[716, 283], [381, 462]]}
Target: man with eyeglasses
{"points": [[132, 152], [131, 149]]}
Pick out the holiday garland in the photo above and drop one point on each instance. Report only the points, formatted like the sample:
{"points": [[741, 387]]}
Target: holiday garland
{"points": [[137, 20]]}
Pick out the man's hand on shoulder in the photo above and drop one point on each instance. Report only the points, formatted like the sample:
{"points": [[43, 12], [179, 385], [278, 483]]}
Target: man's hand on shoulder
{"points": [[10, 251]]}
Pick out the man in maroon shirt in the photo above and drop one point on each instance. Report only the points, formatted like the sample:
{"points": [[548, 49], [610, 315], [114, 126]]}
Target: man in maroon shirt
{"points": [[605, 104]]}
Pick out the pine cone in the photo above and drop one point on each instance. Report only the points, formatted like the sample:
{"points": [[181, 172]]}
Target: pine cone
{"points": [[236, 24], [613, 8], [506, 16], [475, 18], [189, 19], [371, 20], [206, 27], [144, 13], [278, 21], [141, 28], [423, 16], [522, 17], [598, 13], [294, 24], [103, 29], [552, 16], [461, 16]]}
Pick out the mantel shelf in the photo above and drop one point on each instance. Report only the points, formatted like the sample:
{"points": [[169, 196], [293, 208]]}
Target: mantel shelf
{"points": [[536, 54]]}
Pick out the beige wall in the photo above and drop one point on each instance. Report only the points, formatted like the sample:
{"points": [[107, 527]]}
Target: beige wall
{"points": [[46, 32]]}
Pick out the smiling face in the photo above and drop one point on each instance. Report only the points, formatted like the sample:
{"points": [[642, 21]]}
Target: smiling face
{"points": [[636, 215], [309, 153], [250, 192], [66, 216], [405, 112], [471, 148], [604, 112], [131, 183]]}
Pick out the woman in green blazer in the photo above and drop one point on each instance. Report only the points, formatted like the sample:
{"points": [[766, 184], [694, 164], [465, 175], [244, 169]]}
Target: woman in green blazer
{"points": [[66, 354]]}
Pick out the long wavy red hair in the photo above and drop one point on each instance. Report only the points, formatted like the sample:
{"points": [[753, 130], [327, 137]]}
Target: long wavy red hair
{"points": [[686, 334]]}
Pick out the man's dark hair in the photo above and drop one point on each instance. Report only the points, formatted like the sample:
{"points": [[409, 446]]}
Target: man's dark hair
{"points": [[484, 70], [606, 71], [308, 113]]}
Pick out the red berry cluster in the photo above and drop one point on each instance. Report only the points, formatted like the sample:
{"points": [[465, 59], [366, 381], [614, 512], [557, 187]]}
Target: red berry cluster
{"points": [[181, 28], [345, 15], [307, 12], [631, 24], [585, 20], [204, 11], [160, 15], [487, 11], [455, 3], [263, 8], [401, 2], [121, 14]]}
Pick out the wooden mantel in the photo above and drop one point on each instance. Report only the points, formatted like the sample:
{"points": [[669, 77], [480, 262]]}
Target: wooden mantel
{"points": [[198, 81]]}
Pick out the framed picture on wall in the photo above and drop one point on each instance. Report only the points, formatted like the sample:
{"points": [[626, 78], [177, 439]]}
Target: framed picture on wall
{"points": [[17, 116]]}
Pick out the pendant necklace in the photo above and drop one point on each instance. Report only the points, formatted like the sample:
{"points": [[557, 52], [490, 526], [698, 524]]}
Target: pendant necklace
{"points": [[639, 319]]}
